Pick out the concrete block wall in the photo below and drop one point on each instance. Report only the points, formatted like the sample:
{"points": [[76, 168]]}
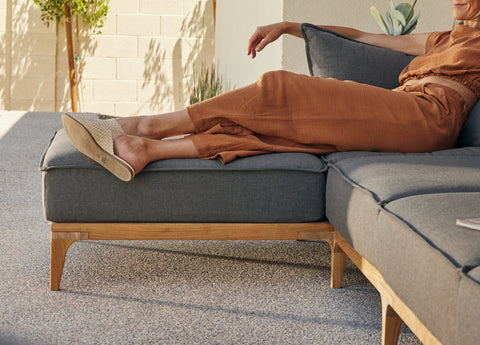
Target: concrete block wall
{"points": [[27, 58], [142, 63]]}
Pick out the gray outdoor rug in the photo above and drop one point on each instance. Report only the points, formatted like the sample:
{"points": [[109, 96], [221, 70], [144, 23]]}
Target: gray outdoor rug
{"points": [[170, 292]]}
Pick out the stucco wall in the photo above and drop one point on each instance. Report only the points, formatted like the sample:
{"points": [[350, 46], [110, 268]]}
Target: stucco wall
{"points": [[288, 53], [141, 63]]}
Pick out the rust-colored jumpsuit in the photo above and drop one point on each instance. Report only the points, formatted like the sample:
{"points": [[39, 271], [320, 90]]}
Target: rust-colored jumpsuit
{"points": [[287, 112]]}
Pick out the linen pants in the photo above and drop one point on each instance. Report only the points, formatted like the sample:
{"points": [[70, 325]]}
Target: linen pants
{"points": [[287, 112]]}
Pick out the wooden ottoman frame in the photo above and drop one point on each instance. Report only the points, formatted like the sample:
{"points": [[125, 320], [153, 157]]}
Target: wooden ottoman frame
{"points": [[394, 311]]}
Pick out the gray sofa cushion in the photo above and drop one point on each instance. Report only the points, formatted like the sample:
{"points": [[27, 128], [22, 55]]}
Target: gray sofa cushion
{"points": [[335, 157], [392, 176], [431, 251], [331, 55], [468, 308], [281, 187]]}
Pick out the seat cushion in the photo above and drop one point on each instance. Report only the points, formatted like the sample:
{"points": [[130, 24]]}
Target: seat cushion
{"points": [[419, 232], [389, 176], [282, 187]]}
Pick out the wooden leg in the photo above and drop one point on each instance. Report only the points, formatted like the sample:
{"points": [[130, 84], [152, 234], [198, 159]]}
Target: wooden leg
{"points": [[391, 324], [60, 243], [339, 258]]}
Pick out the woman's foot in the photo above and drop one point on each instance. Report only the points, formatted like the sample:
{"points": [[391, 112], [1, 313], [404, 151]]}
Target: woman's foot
{"points": [[139, 151], [132, 149]]}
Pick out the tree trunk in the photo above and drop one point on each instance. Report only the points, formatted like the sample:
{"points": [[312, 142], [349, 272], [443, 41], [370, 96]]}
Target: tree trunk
{"points": [[71, 61]]}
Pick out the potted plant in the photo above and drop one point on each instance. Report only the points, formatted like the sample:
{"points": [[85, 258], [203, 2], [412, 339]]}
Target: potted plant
{"points": [[92, 12]]}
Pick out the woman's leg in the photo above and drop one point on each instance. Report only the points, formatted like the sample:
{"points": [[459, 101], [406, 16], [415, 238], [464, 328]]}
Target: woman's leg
{"points": [[139, 151], [158, 126]]}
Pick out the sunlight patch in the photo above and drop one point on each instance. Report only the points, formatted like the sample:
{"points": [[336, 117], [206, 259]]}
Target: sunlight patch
{"points": [[8, 119]]}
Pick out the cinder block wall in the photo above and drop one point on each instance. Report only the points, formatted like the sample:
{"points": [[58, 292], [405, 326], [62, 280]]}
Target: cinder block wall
{"points": [[27, 58], [142, 63]]}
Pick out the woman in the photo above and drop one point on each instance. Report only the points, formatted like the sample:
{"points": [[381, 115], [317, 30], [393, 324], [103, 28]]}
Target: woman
{"points": [[286, 112]]}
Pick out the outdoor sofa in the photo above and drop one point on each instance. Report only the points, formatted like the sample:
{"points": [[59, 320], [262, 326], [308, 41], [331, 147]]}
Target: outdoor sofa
{"points": [[392, 214]]}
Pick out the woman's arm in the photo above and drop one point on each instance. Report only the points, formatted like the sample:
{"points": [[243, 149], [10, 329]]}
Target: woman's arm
{"points": [[413, 44]]}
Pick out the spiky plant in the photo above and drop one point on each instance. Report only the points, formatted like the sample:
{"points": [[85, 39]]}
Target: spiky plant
{"points": [[206, 84], [400, 19]]}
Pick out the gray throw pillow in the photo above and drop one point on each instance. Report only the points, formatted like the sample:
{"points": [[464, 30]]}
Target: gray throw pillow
{"points": [[331, 55]]}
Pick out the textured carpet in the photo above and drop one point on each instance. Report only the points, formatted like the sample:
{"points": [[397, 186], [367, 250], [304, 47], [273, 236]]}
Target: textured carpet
{"points": [[170, 292]]}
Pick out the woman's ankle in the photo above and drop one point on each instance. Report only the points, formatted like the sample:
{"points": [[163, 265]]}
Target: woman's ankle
{"points": [[140, 126]]}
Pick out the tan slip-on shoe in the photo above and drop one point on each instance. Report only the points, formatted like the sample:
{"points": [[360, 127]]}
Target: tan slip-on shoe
{"points": [[93, 138]]}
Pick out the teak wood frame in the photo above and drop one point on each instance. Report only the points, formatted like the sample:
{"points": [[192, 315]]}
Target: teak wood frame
{"points": [[64, 234], [394, 311]]}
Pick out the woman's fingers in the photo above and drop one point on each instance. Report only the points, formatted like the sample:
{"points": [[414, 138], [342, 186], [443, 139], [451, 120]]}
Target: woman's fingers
{"points": [[253, 42], [262, 36]]}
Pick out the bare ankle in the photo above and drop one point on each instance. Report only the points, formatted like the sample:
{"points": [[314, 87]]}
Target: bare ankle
{"points": [[148, 127]]}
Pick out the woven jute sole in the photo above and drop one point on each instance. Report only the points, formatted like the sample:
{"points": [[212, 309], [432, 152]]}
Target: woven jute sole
{"points": [[86, 144]]}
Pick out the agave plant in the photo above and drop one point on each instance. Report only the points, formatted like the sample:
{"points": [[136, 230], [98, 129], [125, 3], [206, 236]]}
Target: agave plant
{"points": [[399, 18]]}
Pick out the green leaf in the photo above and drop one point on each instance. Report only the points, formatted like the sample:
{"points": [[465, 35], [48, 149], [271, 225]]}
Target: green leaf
{"points": [[412, 25], [399, 17], [389, 21], [379, 19], [406, 10]]}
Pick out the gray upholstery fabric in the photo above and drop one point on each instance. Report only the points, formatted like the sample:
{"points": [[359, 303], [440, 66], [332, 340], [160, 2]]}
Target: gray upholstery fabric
{"points": [[468, 308], [390, 177], [331, 55], [281, 187], [433, 218], [335, 157], [420, 252], [399, 211], [470, 134], [415, 244]]}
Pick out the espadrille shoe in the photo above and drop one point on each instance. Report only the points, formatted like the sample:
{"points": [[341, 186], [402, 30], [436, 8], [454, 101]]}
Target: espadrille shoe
{"points": [[93, 138], [107, 121]]}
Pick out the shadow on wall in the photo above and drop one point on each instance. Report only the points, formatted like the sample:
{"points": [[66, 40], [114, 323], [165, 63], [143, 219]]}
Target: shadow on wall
{"points": [[6, 59], [193, 47], [14, 40]]}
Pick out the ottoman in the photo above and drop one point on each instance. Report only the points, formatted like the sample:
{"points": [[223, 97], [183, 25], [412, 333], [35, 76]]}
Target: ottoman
{"points": [[267, 197]]}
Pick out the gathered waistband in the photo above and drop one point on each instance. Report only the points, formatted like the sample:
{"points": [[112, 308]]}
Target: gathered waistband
{"points": [[468, 96]]}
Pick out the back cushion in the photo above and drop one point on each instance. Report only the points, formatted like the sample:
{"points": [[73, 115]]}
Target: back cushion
{"points": [[331, 55]]}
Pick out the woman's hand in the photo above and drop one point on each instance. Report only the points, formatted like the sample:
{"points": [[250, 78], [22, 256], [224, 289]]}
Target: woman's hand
{"points": [[264, 35]]}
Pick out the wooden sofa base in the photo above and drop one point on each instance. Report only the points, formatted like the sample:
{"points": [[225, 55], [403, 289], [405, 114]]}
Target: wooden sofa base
{"points": [[64, 234], [394, 311]]}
